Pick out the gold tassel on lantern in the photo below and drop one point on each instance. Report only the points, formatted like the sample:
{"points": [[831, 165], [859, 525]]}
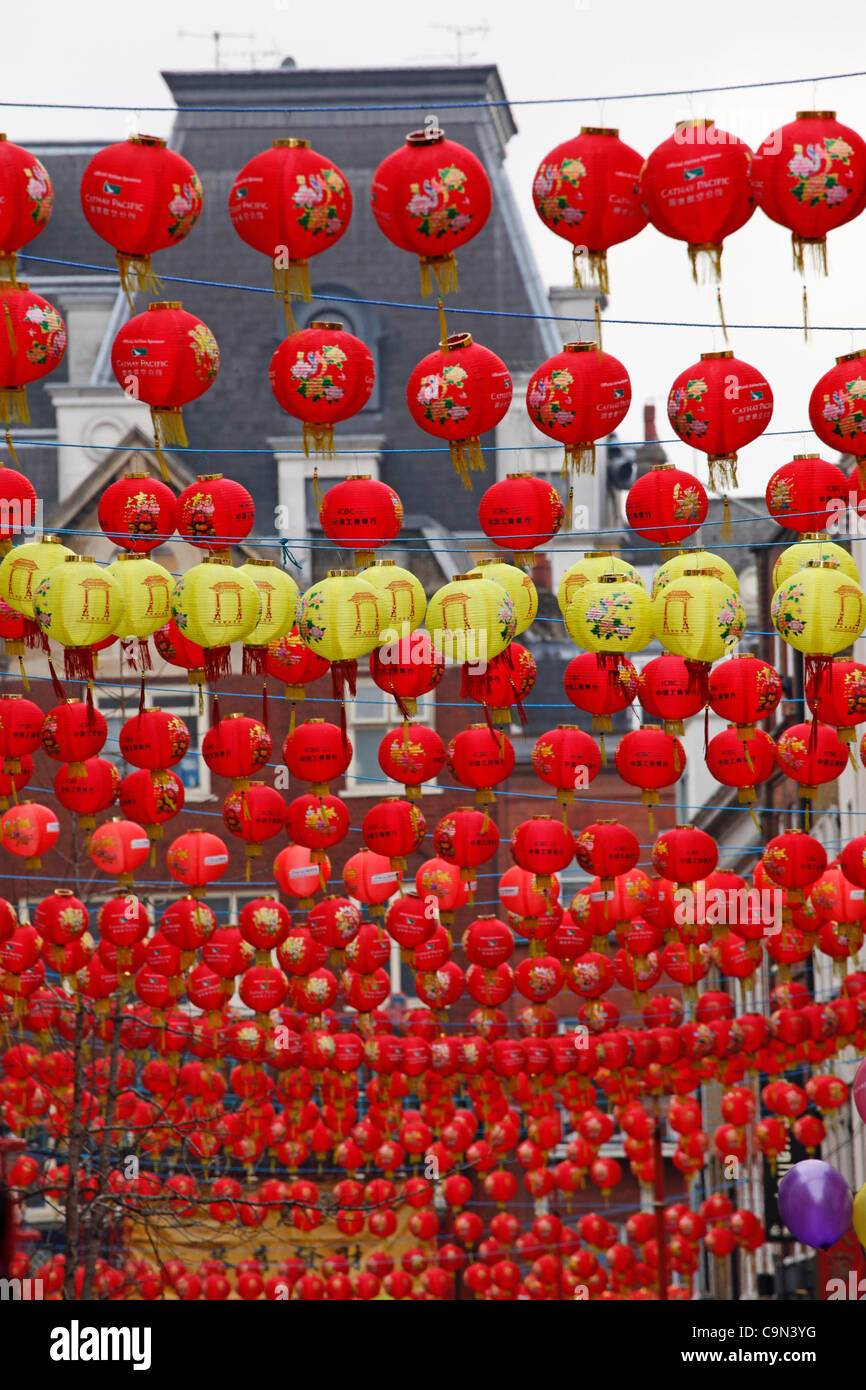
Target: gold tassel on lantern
{"points": [[137, 276], [11, 447], [723, 471], [465, 456], [726, 519], [706, 262], [568, 515], [598, 323], [292, 281], [805, 314], [722, 315], [319, 439], [817, 249], [597, 277], [441, 268], [579, 458]]}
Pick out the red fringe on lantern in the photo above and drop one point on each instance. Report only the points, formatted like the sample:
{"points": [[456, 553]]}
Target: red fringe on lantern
{"points": [[217, 663], [59, 692], [78, 663], [34, 637], [343, 674], [699, 679], [255, 661]]}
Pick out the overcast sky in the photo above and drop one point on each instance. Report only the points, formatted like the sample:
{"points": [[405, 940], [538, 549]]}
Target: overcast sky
{"points": [[99, 52]]}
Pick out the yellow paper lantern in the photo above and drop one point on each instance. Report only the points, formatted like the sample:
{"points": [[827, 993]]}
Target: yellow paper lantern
{"points": [[472, 619], [215, 604], [404, 602], [592, 566], [704, 560], [24, 567], [278, 605], [610, 614], [340, 617], [518, 586], [698, 617], [819, 611], [78, 603], [812, 549], [146, 588]]}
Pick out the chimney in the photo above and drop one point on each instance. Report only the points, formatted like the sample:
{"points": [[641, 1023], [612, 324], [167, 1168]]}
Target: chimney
{"points": [[649, 421]]}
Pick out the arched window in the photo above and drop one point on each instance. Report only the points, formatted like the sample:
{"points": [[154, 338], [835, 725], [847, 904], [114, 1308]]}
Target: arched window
{"points": [[329, 304]]}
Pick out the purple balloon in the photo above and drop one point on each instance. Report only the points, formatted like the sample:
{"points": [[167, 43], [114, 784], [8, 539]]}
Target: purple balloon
{"points": [[815, 1203]]}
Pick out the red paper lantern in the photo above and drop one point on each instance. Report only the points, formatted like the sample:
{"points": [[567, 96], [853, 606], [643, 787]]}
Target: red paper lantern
{"points": [[521, 513], [543, 846], [407, 669], [290, 203], [254, 814], [810, 176], [292, 661], [507, 680], [140, 197], [165, 357], [801, 494], [137, 512], [317, 752], [430, 197], [811, 755], [87, 792], [28, 830], [20, 730], [836, 411], [32, 345], [720, 405], [667, 691], [685, 854], [317, 822], [215, 513], [457, 393], [299, 876], [363, 513], [394, 828], [666, 505], [26, 202], [585, 190], [566, 758], [696, 187], [650, 759], [119, 847], [196, 859], [177, 649], [745, 691], [576, 397], [370, 878], [466, 837], [840, 696], [154, 739], [481, 758], [440, 879], [237, 747], [322, 376], [606, 848], [151, 798], [18, 501], [599, 690], [794, 860], [412, 755]]}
